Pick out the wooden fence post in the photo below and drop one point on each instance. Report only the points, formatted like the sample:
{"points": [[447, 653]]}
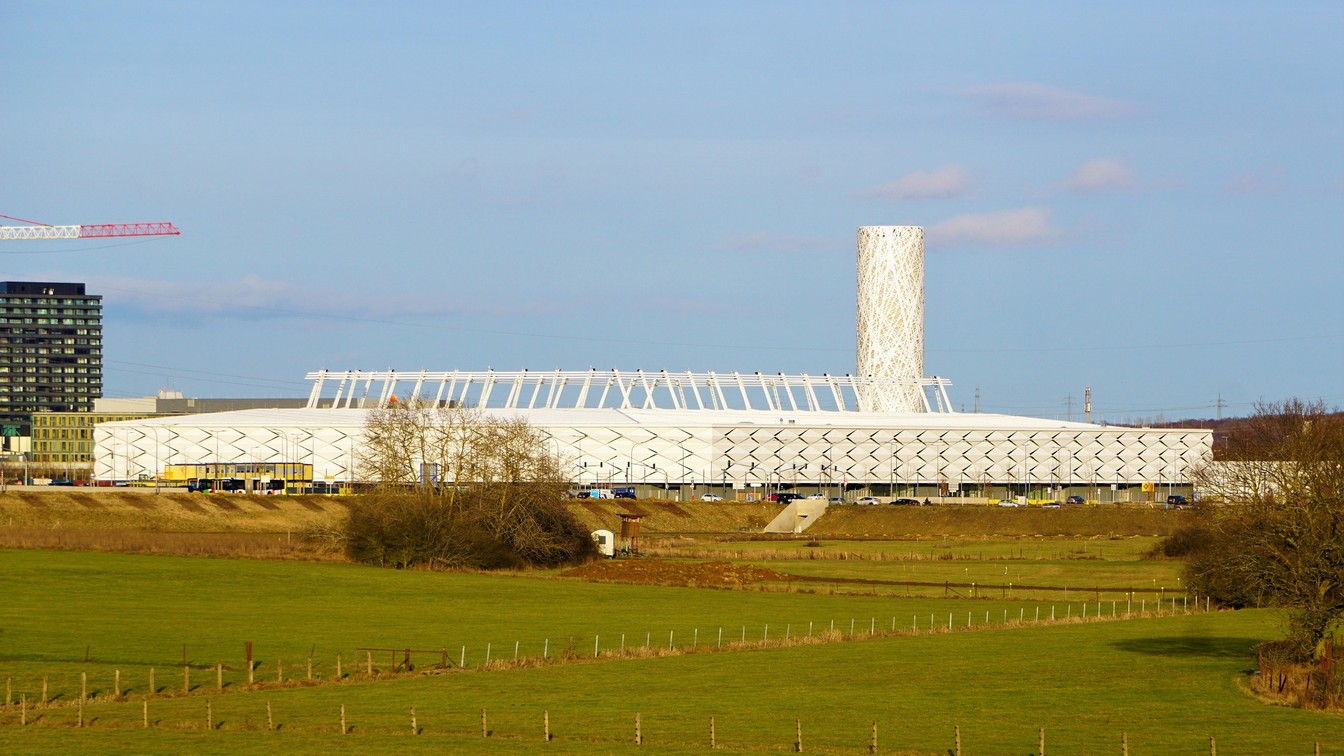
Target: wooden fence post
{"points": [[1124, 744], [186, 679], [1213, 746], [219, 676], [145, 711], [368, 663], [270, 722], [209, 715], [546, 725], [343, 728], [251, 672], [712, 743], [310, 666], [279, 671], [81, 712], [1041, 739], [798, 736], [956, 732], [23, 710], [338, 667], [485, 729], [872, 745], [639, 736], [414, 729], [116, 686], [43, 702], [83, 686]]}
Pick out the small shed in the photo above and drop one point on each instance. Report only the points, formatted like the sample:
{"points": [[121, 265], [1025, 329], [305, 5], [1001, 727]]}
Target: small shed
{"points": [[630, 531], [606, 542]]}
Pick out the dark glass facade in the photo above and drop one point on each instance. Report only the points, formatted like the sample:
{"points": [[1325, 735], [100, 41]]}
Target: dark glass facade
{"points": [[51, 351]]}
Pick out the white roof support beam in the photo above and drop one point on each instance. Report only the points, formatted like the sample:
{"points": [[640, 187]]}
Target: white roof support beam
{"points": [[779, 392]]}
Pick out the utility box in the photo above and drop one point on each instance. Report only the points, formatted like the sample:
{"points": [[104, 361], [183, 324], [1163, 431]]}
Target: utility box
{"points": [[606, 542]]}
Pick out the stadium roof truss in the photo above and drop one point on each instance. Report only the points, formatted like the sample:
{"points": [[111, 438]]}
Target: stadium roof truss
{"points": [[614, 389]]}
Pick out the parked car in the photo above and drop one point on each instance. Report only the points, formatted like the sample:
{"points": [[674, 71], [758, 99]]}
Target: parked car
{"points": [[1050, 505], [904, 502], [837, 500], [783, 497], [1075, 500], [1175, 502], [1007, 503], [867, 501], [817, 497], [711, 497]]}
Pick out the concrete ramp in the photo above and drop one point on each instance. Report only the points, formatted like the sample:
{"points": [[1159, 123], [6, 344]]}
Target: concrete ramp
{"points": [[797, 516]]}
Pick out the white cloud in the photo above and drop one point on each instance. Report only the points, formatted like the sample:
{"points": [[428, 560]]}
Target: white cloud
{"points": [[251, 298], [1042, 102], [939, 183], [1100, 175], [1006, 228]]}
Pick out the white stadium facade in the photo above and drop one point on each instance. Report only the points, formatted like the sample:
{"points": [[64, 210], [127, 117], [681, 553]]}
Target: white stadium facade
{"points": [[886, 429]]}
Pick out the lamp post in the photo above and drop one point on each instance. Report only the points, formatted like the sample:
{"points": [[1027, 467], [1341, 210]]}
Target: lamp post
{"points": [[681, 487], [156, 460], [891, 469]]}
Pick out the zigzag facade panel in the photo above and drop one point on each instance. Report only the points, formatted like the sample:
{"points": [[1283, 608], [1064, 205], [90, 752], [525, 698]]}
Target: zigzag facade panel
{"points": [[681, 447]]}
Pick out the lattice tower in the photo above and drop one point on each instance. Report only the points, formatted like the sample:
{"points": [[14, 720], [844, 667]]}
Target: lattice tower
{"points": [[891, 315]]}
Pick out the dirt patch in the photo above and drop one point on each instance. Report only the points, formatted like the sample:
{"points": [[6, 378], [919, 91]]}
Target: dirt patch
{"points": [[89, 503], [225, 505], [265, 503], [311, 506], [690, 574], [191, 506], [139, 502], [676, 510], [666, 517]]}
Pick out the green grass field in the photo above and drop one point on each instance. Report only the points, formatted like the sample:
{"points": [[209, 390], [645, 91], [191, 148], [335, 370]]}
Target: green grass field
{"points": [[1169, 683]]}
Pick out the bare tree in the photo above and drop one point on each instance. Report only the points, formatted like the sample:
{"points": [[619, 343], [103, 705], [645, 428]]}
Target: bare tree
{"points": [[1275, 520], [458, 487]]}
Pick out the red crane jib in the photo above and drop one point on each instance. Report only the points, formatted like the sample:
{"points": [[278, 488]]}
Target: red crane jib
{"points": [[128, 229]]}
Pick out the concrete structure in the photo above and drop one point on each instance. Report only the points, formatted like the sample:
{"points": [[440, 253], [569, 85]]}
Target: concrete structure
{"points": [[890, 317], [885, 429], [51, 351], [62, 442], [687, 432]]}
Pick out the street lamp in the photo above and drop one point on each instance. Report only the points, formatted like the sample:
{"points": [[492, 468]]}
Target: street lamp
{"points": [[681, 487]]}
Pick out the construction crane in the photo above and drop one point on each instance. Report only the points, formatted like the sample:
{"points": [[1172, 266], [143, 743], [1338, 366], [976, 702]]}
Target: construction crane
{"points": [[35, 230]]}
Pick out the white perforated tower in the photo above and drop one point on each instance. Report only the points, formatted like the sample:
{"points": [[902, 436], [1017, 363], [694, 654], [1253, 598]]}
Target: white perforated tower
{"points": [[891, 316]]}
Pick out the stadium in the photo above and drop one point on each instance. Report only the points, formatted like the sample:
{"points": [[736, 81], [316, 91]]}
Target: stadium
{"points": [[886, 429]]}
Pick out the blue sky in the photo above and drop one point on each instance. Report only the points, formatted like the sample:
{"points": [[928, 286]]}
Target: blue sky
{"points": [[1144, 198]]}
